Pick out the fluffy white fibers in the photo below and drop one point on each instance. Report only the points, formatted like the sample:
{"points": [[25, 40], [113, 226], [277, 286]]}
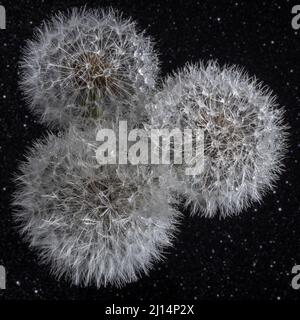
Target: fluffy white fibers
{"points": [[94, 224], [244, 135], [85, 63]]}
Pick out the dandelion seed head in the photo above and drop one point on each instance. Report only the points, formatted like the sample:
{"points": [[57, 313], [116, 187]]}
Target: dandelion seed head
{"points": [[244, 135], [96, 225], [85, 62]]}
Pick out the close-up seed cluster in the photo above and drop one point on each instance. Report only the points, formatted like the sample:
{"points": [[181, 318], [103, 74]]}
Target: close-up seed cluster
{"points": [[85, 63], [95, 224], [103, 225], [244, 135]]}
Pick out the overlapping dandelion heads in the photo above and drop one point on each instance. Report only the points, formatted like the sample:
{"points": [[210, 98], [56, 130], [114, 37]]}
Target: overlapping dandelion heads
{"points": [[106, 224]]}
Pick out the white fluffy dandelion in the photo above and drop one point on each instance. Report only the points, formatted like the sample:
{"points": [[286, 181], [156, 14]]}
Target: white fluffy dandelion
{"points": [[244, 135], [94, 224], [84, 63]]}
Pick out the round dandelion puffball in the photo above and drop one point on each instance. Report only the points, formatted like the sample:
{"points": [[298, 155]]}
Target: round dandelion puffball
{"points": [[244, 136], [97, 225], [83, 62]]}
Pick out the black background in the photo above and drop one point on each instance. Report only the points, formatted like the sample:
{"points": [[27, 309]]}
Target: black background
{"points": [[244, 257]]}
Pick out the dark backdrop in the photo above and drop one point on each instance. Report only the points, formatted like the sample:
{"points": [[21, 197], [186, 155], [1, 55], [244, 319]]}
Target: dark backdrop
{"points": [[249, 256]]}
